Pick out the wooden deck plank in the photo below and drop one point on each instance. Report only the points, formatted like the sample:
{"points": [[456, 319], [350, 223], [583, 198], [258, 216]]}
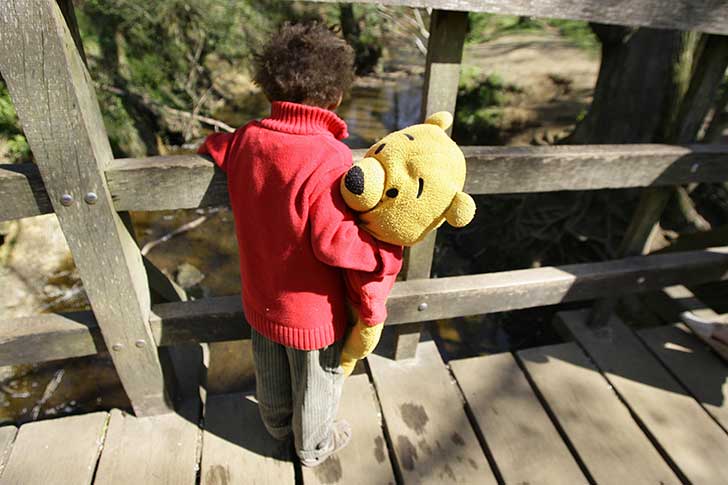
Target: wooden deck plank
{"points": [[56, 451], [608, 441], [525, 444], [694, 365], [365, 459], [7, 436], [159, 450], [423, 411], [694, 442], [236, 448]]}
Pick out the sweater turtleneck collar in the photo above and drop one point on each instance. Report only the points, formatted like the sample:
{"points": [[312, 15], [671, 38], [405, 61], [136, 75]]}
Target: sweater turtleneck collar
{"points": [[302, 119]]}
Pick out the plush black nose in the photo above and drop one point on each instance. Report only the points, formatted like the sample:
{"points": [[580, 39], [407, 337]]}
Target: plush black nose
{"points": [[354, 180]]}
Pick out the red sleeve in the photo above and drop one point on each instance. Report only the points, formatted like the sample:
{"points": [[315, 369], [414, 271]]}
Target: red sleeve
{"points": [[369, 291], [216, 145], [335, 237]]}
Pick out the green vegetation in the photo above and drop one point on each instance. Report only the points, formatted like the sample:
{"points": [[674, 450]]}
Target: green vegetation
{"points": [[486, 26], [154, 68], [148, 61], [12, 140], [479, 112]]}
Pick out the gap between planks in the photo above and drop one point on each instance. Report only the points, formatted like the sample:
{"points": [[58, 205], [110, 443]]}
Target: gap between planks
{"points": [[56, 451], [158, 449], [678, 424], [524, 443], [600, 427], [693, 364]]}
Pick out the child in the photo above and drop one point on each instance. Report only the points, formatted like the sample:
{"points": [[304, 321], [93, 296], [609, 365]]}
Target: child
{"points": [[296, 237]]}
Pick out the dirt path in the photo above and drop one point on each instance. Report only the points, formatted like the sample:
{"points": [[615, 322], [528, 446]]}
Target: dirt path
{"points": [[555, 80]]}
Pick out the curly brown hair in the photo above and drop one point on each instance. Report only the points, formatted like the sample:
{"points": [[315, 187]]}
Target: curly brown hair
{"points": [[304, 62]]}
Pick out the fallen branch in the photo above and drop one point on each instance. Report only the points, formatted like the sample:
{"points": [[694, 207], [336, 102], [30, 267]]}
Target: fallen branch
{"points": [[183, 228], [157, 106]]}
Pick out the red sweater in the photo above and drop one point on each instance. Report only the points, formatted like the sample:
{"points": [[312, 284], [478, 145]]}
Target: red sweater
{"points": [[295, 234]]}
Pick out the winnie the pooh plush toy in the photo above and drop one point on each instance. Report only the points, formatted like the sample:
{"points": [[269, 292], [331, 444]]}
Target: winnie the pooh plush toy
{"points": [[407, 185]]}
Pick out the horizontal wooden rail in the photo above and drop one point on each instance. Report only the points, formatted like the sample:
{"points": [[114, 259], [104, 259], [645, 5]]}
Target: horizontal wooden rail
{"points": [[47, 337], [22, 192], [698, 15], [191, 181]]}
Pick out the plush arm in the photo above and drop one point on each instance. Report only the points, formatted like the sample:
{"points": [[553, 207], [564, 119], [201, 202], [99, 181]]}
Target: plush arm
{"points": [[360, 342], [368, 294], [335, 237]]}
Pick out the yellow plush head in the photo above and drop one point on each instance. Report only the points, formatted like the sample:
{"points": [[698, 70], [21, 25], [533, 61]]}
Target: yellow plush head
{"points": [[409, 183]]}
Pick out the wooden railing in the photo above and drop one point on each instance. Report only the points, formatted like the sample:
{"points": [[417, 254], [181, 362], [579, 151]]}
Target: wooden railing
{"points": [[76, 177]]}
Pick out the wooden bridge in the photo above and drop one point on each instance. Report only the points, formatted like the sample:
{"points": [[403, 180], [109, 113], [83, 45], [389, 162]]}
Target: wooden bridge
{"points": [[611, 405]]}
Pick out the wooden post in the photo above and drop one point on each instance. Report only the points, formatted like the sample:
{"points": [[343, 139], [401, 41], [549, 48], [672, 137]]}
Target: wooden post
{"points": [[442, 75], [638, 240], [57, 106]]}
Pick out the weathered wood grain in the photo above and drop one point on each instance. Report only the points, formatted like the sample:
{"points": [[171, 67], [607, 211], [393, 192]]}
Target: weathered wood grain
{"points": [[608, 441], [509, 290], [365, 459], [56, 103], [525, 444], [432, 438], [23, 192], [700, 15], [157, 449], [191, 181], [694, 365], [236, 448], [188, 180], [687, 434], [57, 451], [494, 170], [7, 437], [221, 318], [442, 66], [48, 337]]}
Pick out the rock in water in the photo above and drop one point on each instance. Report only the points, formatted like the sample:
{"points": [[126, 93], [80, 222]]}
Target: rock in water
{"points": [[188, 275]]}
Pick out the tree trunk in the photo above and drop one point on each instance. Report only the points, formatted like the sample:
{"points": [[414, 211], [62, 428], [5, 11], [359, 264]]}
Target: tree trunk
{"points": [[636, 90], [655, 86]]}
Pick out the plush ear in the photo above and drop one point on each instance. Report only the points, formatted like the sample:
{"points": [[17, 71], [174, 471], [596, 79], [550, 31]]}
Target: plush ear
{"points": [[461, 210], [443, 119]]}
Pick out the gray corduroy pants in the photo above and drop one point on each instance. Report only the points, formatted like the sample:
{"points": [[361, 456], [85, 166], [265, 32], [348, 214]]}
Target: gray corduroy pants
{"points": [[298, 391]]}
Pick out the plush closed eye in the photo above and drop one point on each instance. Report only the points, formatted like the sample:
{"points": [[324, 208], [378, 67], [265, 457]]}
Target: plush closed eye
{"points": [[420, 188]]}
